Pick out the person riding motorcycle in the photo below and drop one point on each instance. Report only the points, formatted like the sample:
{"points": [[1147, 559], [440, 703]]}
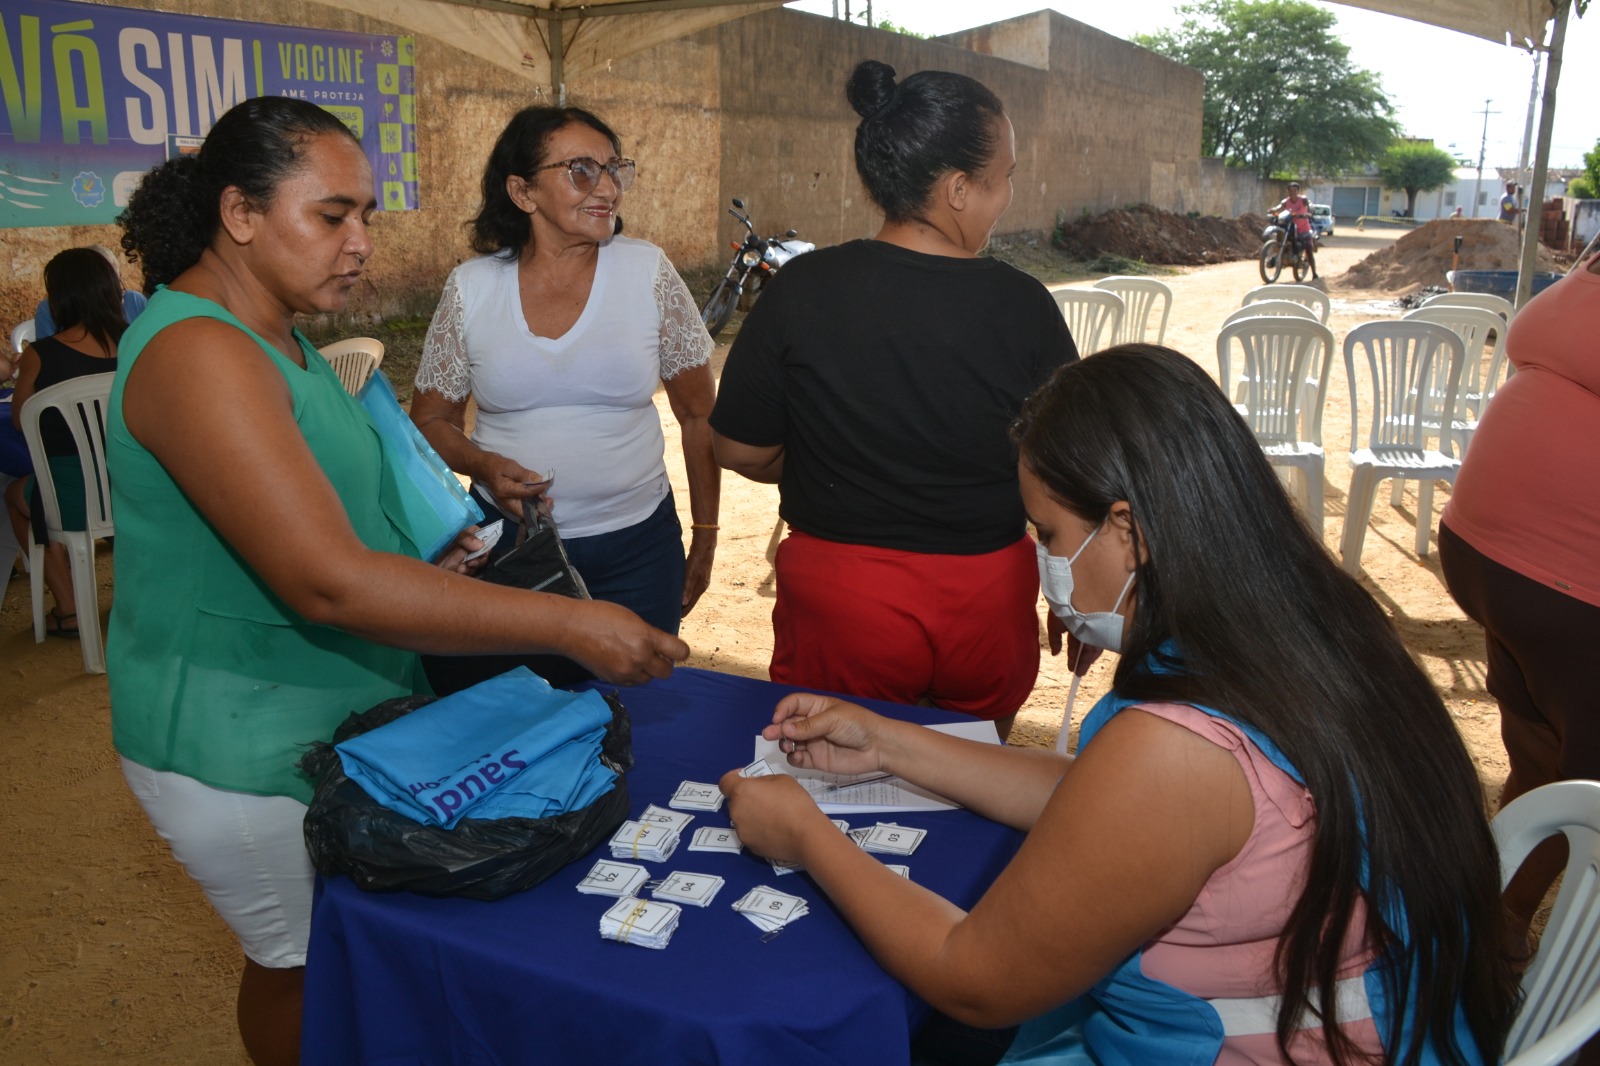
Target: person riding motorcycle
{"points": [[1299, 208]]}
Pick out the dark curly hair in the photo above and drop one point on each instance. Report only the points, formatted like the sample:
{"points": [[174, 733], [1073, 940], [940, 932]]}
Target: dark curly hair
{"points": [[82, 289], [914, 132], [502, 226], [174, 213]]}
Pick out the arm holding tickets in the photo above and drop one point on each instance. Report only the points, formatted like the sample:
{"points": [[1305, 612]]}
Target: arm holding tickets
{"points": [[443, 421], [1120, 843]]}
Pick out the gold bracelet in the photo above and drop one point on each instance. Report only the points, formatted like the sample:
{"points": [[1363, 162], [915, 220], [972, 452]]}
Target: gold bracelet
{"points": [[704, 525]]}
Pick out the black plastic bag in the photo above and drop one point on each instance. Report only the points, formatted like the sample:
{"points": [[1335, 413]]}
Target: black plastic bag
{"points": [[349, 833]]}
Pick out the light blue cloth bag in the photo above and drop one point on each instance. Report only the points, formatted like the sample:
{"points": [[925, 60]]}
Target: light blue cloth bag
{"points": [[432, 503], [509, 747]]}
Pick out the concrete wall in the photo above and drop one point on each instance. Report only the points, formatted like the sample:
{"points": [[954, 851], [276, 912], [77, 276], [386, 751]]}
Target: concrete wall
{"points": [[755, 108]]}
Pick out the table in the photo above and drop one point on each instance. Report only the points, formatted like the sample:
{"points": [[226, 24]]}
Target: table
{"points": [[399, 978]]}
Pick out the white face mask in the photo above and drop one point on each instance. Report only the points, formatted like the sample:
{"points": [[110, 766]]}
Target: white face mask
{"points": [[1100, 629]]}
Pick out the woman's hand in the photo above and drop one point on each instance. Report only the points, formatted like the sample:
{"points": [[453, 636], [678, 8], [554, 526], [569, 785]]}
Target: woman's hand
{"points": [[773, 814], [827, 734], [511, 483], [455, 556], [618, 645], [697, 570]]}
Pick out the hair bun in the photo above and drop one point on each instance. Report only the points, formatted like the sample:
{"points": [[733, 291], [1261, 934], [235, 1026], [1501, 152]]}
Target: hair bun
{"points": [[871, 87]]}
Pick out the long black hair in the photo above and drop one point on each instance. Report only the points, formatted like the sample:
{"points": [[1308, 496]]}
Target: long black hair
{"points": [[913, 133], [500, 225], [1264, 625], [81, 288], [173, 215]]}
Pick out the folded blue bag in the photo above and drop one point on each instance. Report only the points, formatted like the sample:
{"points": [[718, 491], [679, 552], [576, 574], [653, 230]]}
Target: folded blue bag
{"points": [[508, 747], [425, 497]]}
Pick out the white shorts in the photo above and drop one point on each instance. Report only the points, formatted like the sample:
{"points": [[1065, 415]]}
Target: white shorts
{"points": [[247, 852]]}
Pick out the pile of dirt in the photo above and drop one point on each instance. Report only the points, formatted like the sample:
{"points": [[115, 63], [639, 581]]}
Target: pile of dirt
{"points": [[1422, 256], [1156, 236]]}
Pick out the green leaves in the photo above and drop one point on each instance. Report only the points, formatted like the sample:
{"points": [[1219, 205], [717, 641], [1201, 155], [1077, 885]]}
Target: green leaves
{"points": [[1415, 166], [1281, 93]]}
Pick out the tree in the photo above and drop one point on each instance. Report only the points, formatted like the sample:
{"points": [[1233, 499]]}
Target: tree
{"points": [[1415, 167], [1281, 93], [1586, 186]]}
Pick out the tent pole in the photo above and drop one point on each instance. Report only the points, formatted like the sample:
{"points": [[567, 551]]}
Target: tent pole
{"points": [[558, 62], [1541, 154]]}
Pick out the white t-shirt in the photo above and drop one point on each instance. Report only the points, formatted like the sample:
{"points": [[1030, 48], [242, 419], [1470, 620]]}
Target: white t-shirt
{"points": [[579, 404]]}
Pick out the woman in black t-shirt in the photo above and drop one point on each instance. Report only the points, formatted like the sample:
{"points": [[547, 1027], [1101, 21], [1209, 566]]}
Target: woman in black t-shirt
{"points": [[875, 384]]}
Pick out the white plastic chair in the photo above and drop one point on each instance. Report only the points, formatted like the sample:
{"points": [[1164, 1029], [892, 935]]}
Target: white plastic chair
{"points": [[1311, 296], [1474, 326], [353, 359], [22, 333], [1285, 375], [1561, 988], [1264, 308], [1401, 358], [1093, 316], [82, 403], [1139, 297], [1486, 301]]}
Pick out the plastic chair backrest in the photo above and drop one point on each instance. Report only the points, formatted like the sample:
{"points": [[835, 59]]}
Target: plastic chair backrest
{"points": [[1474, 326], [353, 359], [82, 403], [1264, 308], [1282, 354], [1485, 301], [1093, 316], [1140, 297], [22, 333], [1312, 297], [1403, 358], [1561, 987]]}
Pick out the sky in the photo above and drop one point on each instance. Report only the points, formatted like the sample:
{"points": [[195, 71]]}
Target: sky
{"points": [[1439, 82]]}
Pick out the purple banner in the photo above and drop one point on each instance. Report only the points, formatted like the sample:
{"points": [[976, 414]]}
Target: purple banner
{"points": [[91, 97]]}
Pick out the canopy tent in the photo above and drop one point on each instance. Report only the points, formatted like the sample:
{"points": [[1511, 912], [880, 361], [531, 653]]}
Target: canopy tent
{"points": [[548, 41]]}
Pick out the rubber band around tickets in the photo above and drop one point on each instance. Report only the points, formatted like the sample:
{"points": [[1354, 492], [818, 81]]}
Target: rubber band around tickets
{"points": [[626, 927], [644, 828]]}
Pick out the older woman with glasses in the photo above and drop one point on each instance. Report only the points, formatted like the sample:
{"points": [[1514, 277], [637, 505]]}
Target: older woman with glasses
{"points": [[560, 331]]}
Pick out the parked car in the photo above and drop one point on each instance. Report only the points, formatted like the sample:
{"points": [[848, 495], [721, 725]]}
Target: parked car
{"points": [[1322, 220]]}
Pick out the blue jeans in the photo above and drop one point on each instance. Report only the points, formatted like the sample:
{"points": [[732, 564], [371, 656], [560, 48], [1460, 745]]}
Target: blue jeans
{"points": [[640, 567]]}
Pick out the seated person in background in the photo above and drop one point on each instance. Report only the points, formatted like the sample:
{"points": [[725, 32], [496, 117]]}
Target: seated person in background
{"points": [[874, 383], [1230, 870], [133, 301], [85, 299]]}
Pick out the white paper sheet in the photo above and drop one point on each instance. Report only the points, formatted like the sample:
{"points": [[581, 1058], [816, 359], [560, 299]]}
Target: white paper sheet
{"points": [[891, 794]]}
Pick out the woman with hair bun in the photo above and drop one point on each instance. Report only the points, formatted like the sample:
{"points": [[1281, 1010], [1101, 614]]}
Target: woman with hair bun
{"points": [[263, 591], [874, 383], [1230, 870]]}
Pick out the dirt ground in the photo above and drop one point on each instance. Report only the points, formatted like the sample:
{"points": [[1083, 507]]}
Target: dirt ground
{"points": [[110, 953]]}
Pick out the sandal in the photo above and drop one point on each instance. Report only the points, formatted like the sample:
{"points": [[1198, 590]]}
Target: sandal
{"points": [[60, 628]]}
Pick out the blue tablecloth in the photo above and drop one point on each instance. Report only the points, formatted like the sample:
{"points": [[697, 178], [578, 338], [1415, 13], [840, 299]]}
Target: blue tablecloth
{"points": [[399, 978]]}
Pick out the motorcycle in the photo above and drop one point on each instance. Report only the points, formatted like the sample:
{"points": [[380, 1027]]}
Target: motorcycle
{"points": [[1285, 246], [755, 262]]}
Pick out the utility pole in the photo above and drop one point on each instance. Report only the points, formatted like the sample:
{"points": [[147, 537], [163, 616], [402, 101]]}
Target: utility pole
{"points": [[1483, 150]]}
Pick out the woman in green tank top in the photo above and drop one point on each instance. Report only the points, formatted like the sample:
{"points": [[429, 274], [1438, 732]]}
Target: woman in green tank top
{"points": [[265, 591]]}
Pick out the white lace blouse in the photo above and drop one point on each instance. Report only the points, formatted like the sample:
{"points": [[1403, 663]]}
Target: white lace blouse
{"points": [[580, 404]]}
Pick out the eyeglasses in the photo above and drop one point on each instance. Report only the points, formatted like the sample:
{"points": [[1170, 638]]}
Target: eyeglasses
{"points": [[584, 173]]}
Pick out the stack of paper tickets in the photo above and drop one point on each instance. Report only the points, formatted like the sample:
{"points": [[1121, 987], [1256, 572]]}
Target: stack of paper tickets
{"points": [[770, 909], [607, 878], [650, 924], [651, 842]]}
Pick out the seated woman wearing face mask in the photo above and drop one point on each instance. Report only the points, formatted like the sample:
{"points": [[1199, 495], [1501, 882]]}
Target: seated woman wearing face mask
{"points": [[1229, 870]]}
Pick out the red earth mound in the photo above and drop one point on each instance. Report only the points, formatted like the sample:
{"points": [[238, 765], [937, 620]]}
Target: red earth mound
{"points": [[1156, 236], [1422, 256]]}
